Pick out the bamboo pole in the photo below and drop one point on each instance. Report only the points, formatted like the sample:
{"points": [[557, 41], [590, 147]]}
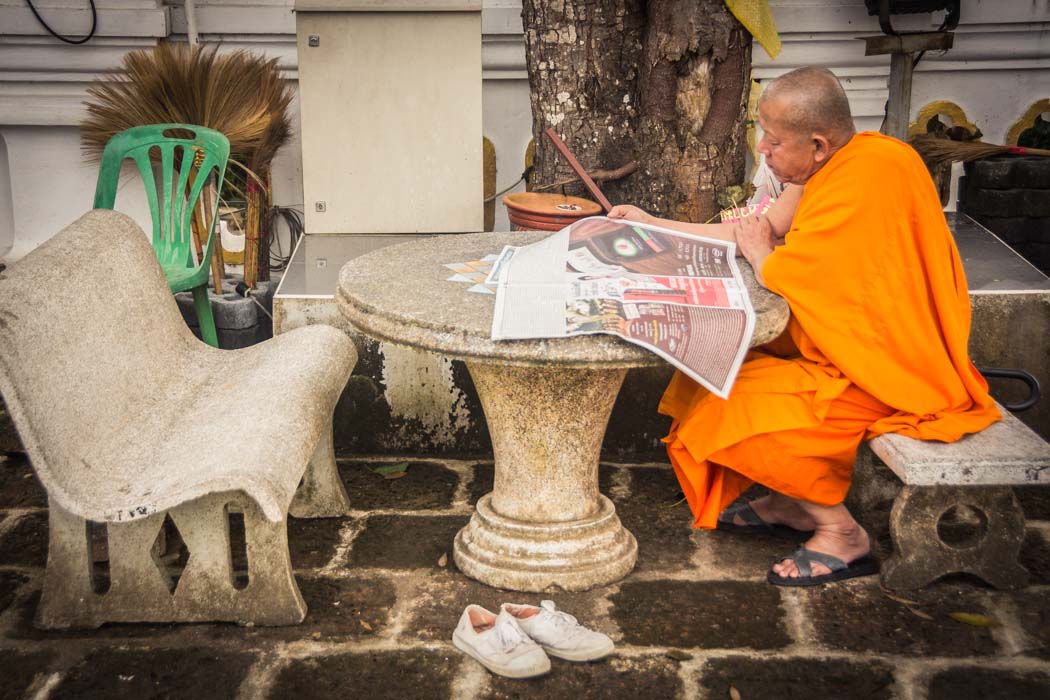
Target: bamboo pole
{"points": [[265, 234], [253, 199]]}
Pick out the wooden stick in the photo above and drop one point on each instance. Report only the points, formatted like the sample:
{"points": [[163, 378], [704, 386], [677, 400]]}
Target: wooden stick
{"points": [[578, 169]]}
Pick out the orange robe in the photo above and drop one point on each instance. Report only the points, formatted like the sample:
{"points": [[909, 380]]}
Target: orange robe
{"points": [[880, 319]]}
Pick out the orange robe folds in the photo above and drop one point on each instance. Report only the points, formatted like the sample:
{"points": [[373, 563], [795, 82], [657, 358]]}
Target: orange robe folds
{"points": [[880, 319]]}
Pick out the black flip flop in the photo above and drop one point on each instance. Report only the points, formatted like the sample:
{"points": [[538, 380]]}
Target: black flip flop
{"points": [[840, 570], [755, 525]]}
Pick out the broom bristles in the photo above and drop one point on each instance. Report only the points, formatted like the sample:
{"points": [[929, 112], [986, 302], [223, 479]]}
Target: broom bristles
{"points": [[935, 150], [239, 94]]}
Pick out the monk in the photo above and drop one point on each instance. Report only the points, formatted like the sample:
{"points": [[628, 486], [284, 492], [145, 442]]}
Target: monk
{"points": [[880, 317]]}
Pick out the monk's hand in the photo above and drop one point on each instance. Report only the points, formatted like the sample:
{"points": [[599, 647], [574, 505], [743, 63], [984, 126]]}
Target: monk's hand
{"points": [[755, 238], [631, 213]]}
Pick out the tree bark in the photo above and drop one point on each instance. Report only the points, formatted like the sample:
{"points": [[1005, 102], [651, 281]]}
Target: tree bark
{"points": [[663, 83]]}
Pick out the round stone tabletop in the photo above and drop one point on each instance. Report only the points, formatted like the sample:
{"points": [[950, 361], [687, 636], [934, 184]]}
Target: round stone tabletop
{"points": [[401, 294]]}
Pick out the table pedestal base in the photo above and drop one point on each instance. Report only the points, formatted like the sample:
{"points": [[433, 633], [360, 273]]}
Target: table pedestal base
{"points": [[574, 555]]}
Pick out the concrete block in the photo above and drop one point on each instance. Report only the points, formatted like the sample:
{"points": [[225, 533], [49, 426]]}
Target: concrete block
{"points": [[239, 322]]}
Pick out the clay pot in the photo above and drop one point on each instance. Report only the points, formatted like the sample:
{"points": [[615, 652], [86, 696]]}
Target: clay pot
{"points": [[539, 211]]}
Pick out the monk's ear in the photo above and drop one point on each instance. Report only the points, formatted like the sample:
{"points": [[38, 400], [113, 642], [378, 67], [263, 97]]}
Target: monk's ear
{"points": [[821, 148]]}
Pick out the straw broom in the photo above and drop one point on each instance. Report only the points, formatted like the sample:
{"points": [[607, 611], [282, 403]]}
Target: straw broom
{"points": [[238, 94], [937, 150]]}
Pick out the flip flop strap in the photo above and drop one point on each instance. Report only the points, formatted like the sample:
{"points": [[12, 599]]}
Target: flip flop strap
{"points": [[746, 513], [804, 559]]}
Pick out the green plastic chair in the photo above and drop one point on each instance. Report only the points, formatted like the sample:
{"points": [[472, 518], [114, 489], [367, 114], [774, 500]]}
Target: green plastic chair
{"points": [[194, 150]]}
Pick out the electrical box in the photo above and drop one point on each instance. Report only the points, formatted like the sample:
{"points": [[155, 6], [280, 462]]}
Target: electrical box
{"points": [[390, 104]]}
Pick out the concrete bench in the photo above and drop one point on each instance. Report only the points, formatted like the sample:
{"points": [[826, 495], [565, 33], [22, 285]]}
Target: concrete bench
{"points": [[129, 421], [978, 472]]}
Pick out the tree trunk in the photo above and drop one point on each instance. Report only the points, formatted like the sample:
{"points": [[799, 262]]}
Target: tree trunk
{"points": [[663, 83]]}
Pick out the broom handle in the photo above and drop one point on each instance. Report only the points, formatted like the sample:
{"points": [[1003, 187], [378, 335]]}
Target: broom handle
{"points": [[1025, 151], [578, 169]]}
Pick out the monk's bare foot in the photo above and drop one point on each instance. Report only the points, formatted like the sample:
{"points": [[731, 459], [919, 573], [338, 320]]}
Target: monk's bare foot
{"points": [[776, 509], [847, 541]]}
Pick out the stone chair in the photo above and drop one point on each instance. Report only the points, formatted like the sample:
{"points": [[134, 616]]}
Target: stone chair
{"points": [[130, 421]]}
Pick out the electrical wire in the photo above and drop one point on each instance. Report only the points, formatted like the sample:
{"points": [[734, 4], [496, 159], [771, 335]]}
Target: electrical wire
{"points": [[505, 190], [293, 220], [52, 32]]}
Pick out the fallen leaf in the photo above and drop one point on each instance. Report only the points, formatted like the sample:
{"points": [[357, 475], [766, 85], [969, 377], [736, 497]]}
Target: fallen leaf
{"points": [[366, 625], [734, 694], [975, 619], [672, 505], [903, 601], [395, 475], [399, 468], [919, 613], [443, 561], [678, 655]]}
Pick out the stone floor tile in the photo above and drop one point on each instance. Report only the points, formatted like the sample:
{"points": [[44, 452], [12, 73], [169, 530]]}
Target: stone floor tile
{"points": [[1035, 501], [21, 627], [441, 598], [343, 608], [19, 487], [857, 616], [645, 677], [1033, 610], [426, 485], [406, 541], [420, 675], [194, 674], [26, 543], [712, 615], [742, 555], [662, 528], [10, 582], [350, 608], [9, 440], [484, 474], [313, 541], [796, 679], [1035, 556], [19, 669], [356, 608], [967, 683]]}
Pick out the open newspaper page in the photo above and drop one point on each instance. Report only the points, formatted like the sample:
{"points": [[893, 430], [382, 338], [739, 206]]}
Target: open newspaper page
{"points": [[678, 295]]}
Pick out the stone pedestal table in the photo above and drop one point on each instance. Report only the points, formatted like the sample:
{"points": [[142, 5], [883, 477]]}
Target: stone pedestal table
{"points": [[547, 403]]}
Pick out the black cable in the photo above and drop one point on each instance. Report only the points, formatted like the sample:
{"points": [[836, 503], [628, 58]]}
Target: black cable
{"points": [[52, 32], [293, 220]]}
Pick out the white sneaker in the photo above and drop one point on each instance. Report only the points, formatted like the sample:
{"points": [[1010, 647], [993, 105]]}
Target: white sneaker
{"points": [[499, 643], [559, 633]]}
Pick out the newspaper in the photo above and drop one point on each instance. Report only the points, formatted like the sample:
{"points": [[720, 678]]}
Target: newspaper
{"points": [[677, 295]]}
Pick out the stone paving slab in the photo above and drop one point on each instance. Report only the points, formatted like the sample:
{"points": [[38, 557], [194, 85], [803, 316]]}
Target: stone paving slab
{"points": [[19, 670], [19, 487], [441, 598], [797, 679], [704, 614], [25, 544], [406, 541], [645, 677], [988, 684], [694, 618], [659, 521], [426, 485], [858, 616], [378, 674], [201, 673]]}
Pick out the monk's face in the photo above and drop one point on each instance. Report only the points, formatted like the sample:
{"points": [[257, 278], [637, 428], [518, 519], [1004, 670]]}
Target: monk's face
{"points": [[793, 157]]}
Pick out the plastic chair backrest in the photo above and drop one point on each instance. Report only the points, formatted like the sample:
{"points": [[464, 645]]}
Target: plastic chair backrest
{"points": [[198, 152]]}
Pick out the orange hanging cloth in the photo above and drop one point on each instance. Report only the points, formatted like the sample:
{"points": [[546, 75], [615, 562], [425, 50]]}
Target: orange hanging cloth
{"points": [[877, 342]]}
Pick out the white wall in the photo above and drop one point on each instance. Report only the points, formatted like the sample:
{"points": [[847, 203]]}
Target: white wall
{"points": [[996, 70]]}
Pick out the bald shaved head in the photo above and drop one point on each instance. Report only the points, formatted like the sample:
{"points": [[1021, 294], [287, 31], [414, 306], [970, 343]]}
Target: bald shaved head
{"points": [[813, 103]]}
